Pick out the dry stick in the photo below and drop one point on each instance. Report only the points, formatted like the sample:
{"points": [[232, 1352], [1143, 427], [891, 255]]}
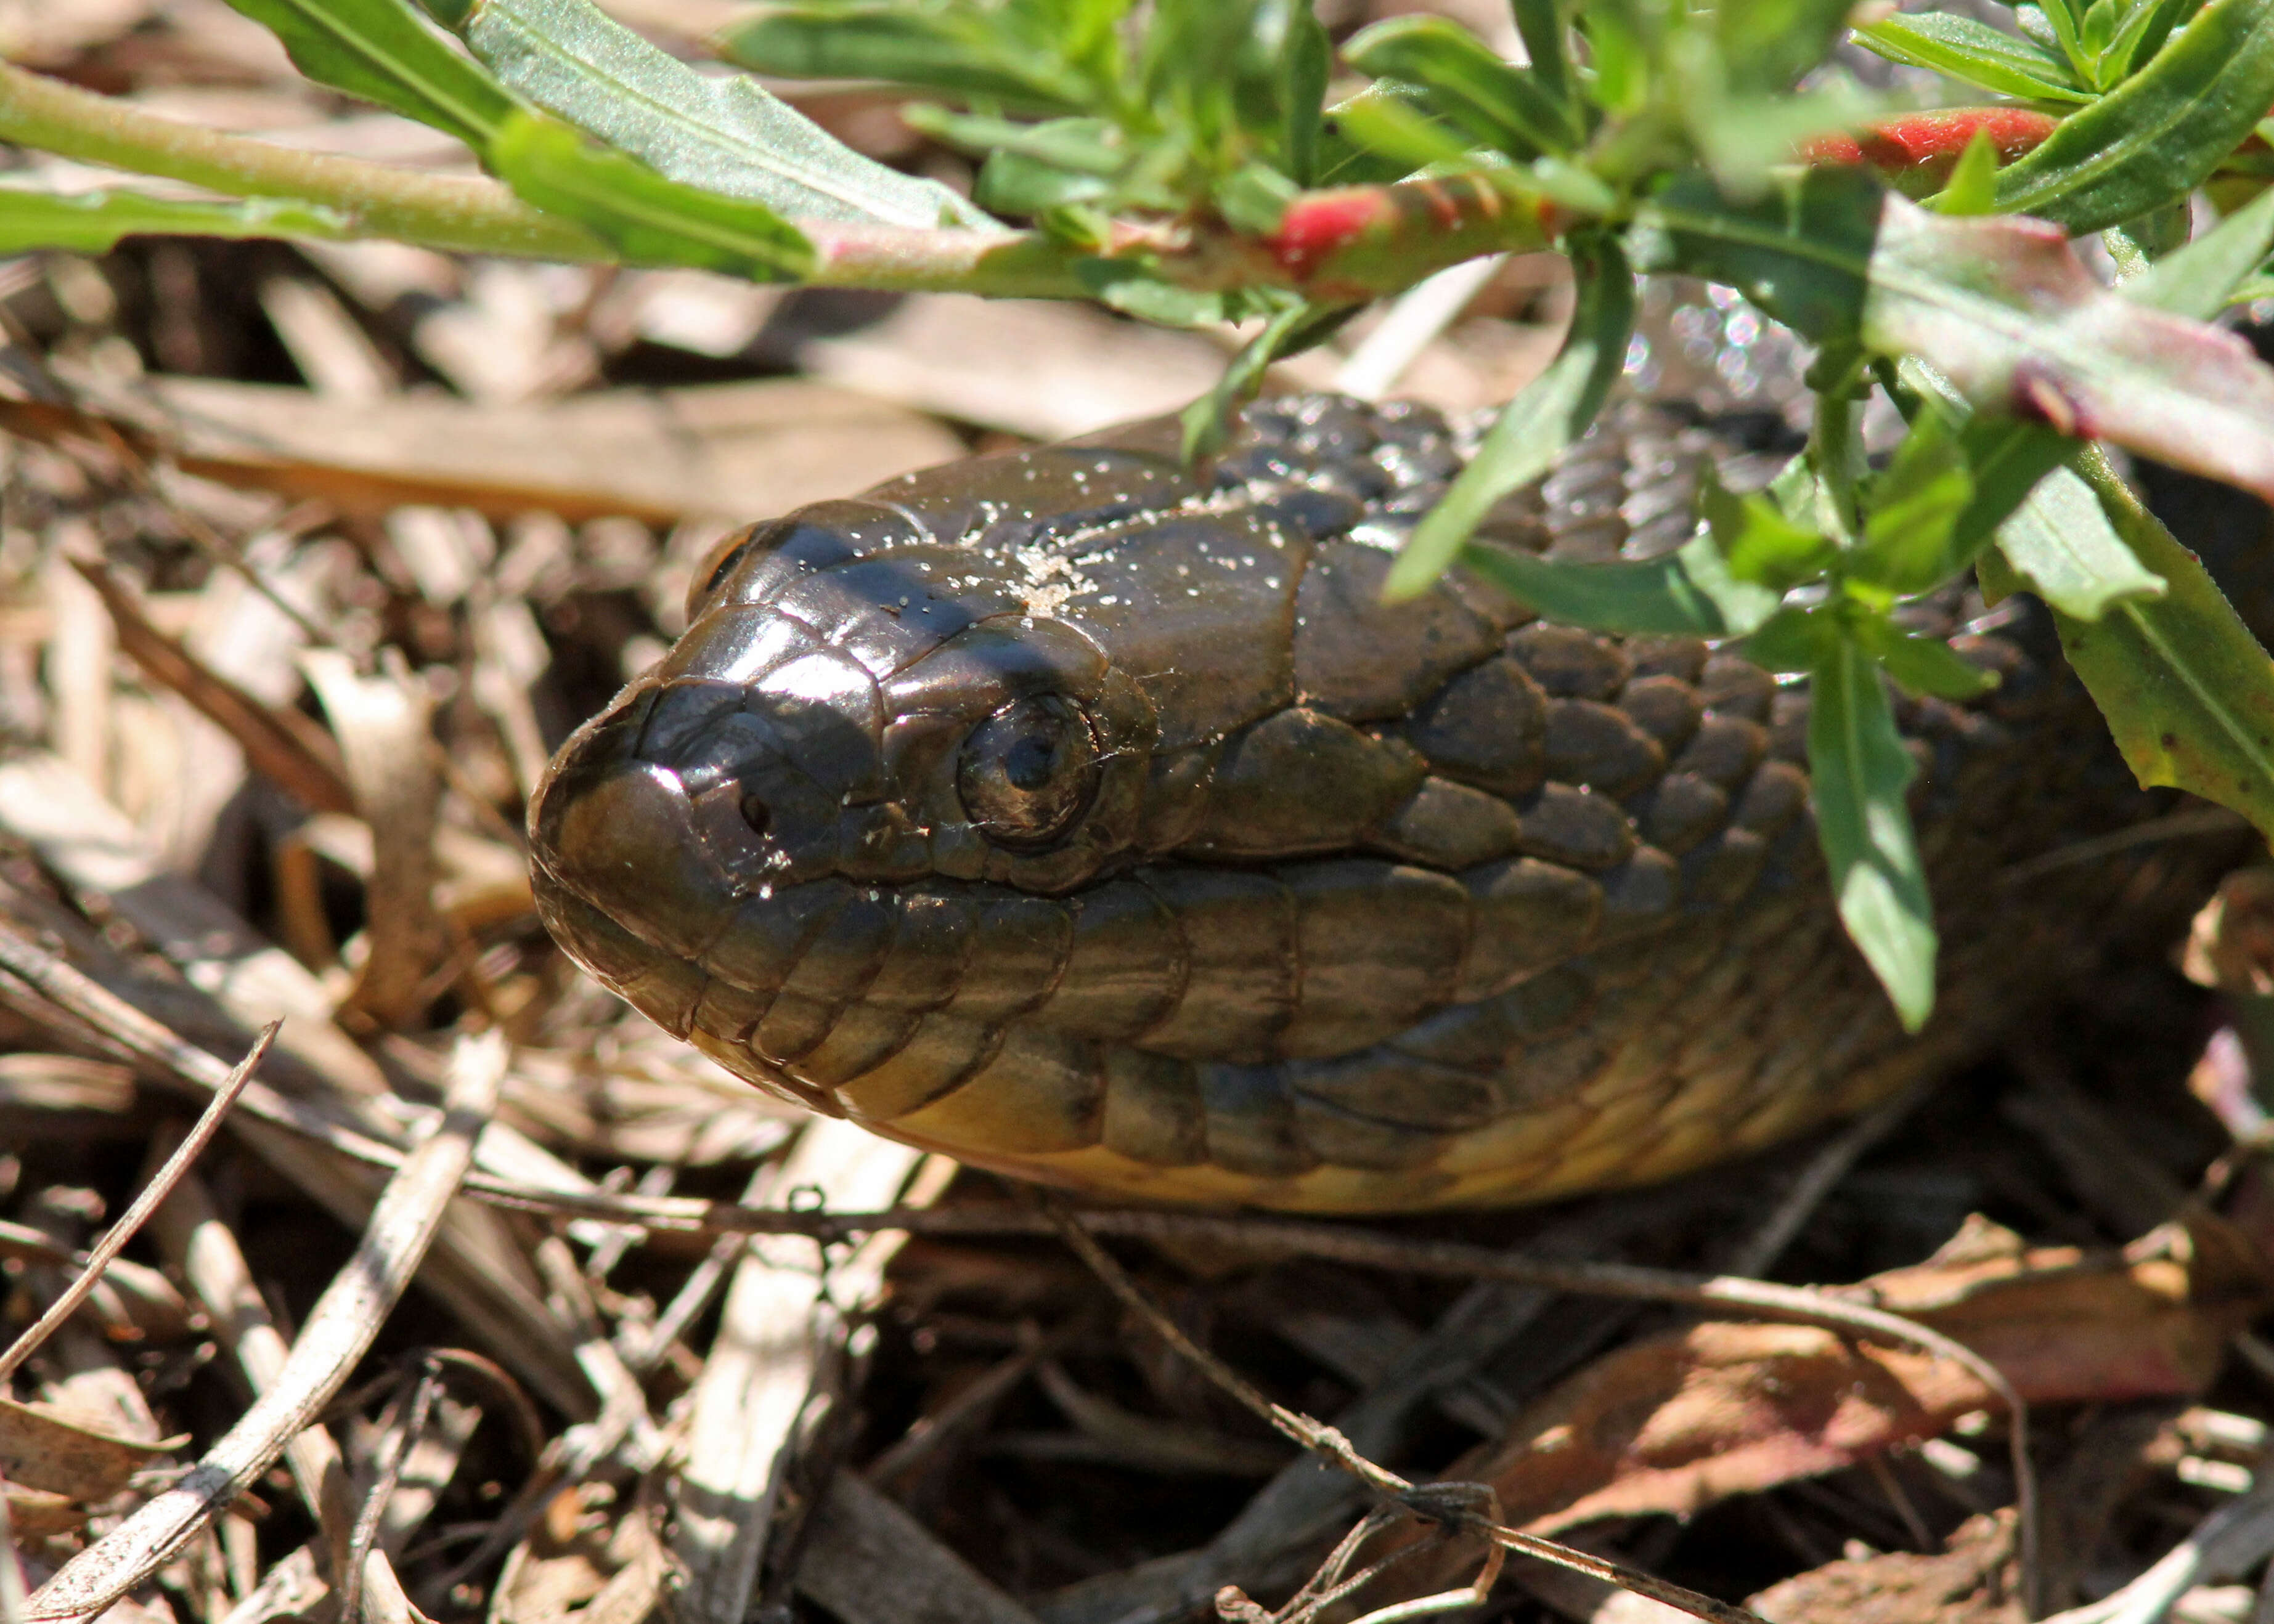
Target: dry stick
{"points": [[1321, 1438], [61, 994], [12, 1570], [338, 1332], [365, 1535], [79, 995], [205, 1252], [114, 1239]]}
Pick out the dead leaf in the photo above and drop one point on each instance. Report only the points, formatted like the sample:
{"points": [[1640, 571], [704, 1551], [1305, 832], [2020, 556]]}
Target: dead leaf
{"points": [[1970, 1582], [40, 1450], [1676, 1422]]}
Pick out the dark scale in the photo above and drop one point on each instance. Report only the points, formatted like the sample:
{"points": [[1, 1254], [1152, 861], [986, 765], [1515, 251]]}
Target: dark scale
{"points": [[1083, 820]]}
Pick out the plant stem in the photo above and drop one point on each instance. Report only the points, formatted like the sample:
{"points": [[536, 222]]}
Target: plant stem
{"points": [[454, 213], [466, 215], [1347, 244]]}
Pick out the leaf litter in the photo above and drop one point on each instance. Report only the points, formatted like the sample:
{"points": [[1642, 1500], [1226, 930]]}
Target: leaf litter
{"points": [[490, 1301]]}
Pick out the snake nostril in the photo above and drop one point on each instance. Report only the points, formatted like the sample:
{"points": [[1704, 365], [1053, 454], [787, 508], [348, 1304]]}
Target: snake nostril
{"points": [[757, 813]]}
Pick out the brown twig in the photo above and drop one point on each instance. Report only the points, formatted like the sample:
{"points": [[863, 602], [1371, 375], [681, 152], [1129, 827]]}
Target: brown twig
{"points": [[114, 1239], [1437, 1502], [365, 1535], [338, 1333]]}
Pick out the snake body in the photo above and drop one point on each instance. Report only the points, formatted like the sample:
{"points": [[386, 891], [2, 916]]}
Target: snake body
{"points": [[1096, 821]]}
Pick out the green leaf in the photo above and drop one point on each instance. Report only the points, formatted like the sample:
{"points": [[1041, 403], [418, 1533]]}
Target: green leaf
{"points": [[2063, 545], [1790, 640], [2141, 34], [383, 51], [1206, 422], [649, 219], [1915, 505], [1018, 185], [1999, 307], [905, 47], [1761, 545], [1690, 592], [722, 134], [1765, 45], [1136, 287], [1544, 27], [1465, 84], [92, 223], [1744, 138], [2159, 134], [1858, 770], [2064, 20], [1972, 188], [2008, 460], [1381, 120], [2186, 690], [1621, 59], [1254, 198], [1802, 251], [1550, 413], [1962, 48], [2198, 279], [1921, 664]]}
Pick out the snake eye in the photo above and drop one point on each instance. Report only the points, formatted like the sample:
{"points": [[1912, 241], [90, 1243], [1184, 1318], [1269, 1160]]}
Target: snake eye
{"points": [[1028, 770]]}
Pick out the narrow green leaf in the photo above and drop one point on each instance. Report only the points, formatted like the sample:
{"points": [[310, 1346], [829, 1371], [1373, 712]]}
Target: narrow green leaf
{"points": [[2159, 134], [650, 220], [1921, 664], [2007, 459], [2003, 309], [1544, 27], [1744, 138], [1018, 185], [1802, 251], [1767, 44], [2061, 542], [2188, 691], [92, 223], [1255, 198], [383, 51], [1858, 770], [722, 134], [1497, 104], [1308, 65], [1136, 287], [1690, 592], [1963, 48], [905, 47], [2064, 18], [1208, 420], [1972, 188], [2198, 279], [1915, 505], [1381, 121], [1551, 412], [1761, 543]]}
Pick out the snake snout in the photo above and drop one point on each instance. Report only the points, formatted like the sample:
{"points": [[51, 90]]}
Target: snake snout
{"points": [[680, 803]]}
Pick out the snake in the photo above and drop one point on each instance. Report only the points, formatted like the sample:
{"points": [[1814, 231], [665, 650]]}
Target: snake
{"points": [[1091, 817]]}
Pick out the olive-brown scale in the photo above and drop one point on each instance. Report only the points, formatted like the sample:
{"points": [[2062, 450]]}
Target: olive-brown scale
{"points": [[1081, 819]]}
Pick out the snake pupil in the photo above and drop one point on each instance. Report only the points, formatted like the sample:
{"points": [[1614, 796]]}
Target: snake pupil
{"points": [[1030, 763], [757, 813]]}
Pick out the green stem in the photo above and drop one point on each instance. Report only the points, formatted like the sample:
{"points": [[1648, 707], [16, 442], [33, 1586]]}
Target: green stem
{"points": [[466, 215], [438, 211]]}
